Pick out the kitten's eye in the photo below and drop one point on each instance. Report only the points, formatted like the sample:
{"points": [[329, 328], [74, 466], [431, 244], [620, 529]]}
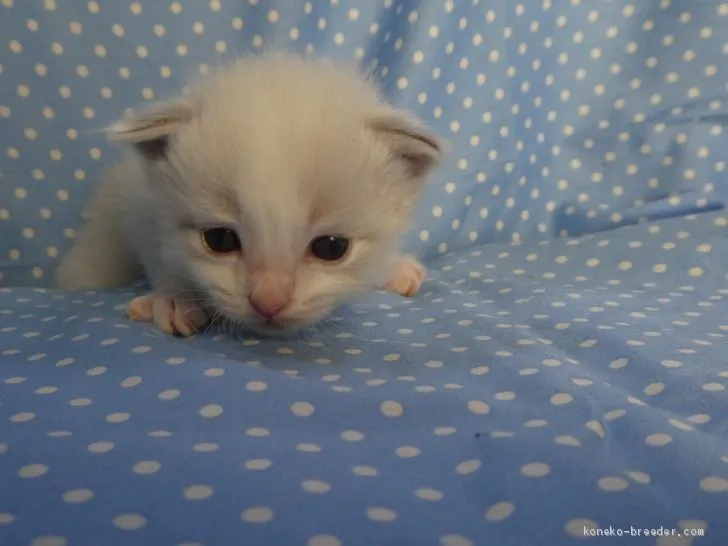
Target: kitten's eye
{"points": [[221, 240], [330, 248]]}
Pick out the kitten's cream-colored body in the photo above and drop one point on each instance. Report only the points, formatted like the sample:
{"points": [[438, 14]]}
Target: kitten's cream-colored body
{"points": [[280, 150]]}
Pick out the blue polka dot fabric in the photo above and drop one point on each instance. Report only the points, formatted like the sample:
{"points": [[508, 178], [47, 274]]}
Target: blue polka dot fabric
{"points": [[560, 377]]}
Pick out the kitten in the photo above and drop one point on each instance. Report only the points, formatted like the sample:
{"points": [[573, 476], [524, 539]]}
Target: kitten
{"points": [[275, 190]]}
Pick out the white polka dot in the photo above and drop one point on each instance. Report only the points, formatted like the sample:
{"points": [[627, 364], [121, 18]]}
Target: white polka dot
{"points": [[699, 418], [33, 471], [478, 407], [315, 486], [567, 440], [428, 494], [308, 448], [713, 387], [46, 390], [468, 467], [198, 492], [381, 514], [257, 432], [551, 362], [365, 471], [576, 527], [596, 427], [146, 467], [714, 484], [535, 423], [205, 447], [22, 417], [6, 519], [614, 414], [49, 540], [612, 483], [117, 418], [257, 514], [131, 382], [658, 439], [535, 470], [639, 477], [256, 386], [352, 436], [259, 464], [407, 452], [654, 388], [500, 511], [323, 540], [100, 447], [169, 394], [130, 522], [444, 431], [211, 410], [390, 408], [302, 409], [455, 540], [561, 399]]}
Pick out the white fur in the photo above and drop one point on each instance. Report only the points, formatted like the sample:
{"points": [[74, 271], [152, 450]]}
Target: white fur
{"points": [[279, 148]]}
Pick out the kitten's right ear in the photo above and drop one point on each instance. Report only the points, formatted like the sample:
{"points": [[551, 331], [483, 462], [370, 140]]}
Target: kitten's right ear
{"points": [[149, 131], [410, 141]]}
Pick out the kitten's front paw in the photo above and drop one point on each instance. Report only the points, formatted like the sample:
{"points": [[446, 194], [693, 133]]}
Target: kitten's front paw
{"points": [[173, 316], [408, 276]]}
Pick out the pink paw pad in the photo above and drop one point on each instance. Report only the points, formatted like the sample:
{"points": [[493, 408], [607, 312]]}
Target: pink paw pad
{"points": [[170, 315], [409, 274]]}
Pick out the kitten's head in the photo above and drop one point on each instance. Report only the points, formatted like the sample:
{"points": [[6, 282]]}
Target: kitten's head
{"points": [[283, 186]]}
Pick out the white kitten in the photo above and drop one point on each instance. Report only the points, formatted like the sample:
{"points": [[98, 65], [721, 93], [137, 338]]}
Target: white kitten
{"points": [[277, 189]]}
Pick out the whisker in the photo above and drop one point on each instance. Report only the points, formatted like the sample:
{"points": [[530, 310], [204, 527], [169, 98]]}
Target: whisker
{"points": [[216, 318]]}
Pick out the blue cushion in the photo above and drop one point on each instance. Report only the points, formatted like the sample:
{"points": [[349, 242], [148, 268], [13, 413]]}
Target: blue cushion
{"points": [[530, 394]]}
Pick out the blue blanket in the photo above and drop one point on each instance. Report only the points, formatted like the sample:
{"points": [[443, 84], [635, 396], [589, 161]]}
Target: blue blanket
{"points": [[561, 375]]}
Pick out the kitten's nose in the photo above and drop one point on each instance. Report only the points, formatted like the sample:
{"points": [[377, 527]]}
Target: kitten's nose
{"points": [[267, 307], [270, 292]]}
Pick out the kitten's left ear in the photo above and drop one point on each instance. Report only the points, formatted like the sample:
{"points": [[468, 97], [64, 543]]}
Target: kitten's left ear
{"points": [[410, 141], [149, 131]]}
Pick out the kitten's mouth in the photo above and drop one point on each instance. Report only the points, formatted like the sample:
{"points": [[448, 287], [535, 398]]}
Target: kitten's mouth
{"points": [[274, 325], [276, 328], [281, 325], [270, 328]]}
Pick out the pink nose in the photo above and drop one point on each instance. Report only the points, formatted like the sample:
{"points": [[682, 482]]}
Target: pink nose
{"points": [[267, 308]]}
